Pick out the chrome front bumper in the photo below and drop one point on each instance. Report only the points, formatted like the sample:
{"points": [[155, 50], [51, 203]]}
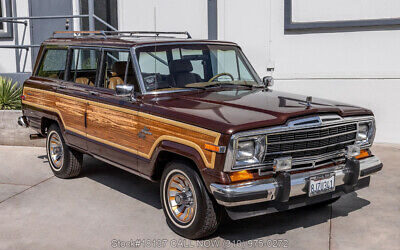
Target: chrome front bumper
{"points": [[278, 188]]}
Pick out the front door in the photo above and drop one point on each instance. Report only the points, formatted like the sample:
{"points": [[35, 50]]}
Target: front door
{"points": [[112, 120]]}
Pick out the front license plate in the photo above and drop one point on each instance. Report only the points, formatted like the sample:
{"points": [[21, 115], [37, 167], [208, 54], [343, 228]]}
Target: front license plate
{"points": [[321, 184]]}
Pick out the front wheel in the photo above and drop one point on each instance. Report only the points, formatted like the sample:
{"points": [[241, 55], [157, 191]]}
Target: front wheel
{"points": [[64, 161], [187, 206]]}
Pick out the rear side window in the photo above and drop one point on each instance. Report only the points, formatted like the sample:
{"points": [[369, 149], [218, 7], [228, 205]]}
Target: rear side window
{"points": [[53, 64]]}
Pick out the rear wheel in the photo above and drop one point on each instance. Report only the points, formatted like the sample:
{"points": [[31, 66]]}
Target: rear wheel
{"points": [[64, 161], [187, 206]]}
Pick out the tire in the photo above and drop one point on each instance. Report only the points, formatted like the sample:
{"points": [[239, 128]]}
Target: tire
{"points": [[198, 220], [64, 161]]}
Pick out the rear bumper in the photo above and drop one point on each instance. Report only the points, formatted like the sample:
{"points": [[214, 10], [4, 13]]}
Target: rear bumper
{"points": [[286, 187]]}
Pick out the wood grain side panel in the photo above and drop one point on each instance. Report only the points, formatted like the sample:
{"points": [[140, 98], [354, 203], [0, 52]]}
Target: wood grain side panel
{"points": [[119, 127], [116, 127], [71, 111], [164, 131]]}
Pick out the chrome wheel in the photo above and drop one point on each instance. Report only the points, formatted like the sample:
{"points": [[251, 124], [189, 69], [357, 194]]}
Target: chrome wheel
{"points": [[56, 150], [181, 198]]}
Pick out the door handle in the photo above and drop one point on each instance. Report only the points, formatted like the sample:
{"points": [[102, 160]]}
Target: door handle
{"points": [[94, 93], [85, 117], [62, 86]]}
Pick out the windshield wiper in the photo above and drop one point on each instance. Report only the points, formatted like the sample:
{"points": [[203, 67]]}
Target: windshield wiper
{"points": [[231, 84], [201, 88]]}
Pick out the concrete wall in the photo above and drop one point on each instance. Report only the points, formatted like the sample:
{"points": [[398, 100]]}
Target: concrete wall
{"points": [[13, 134]]}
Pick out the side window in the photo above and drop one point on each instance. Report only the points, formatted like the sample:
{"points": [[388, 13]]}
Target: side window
{"points": [[244, 73], [84, 64], [53, 64], [118, 70]]}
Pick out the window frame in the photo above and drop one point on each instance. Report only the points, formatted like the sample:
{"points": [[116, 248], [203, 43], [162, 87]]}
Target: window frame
{"points": [[69, 64], [42, 56], [103, 63], [7, 33]]}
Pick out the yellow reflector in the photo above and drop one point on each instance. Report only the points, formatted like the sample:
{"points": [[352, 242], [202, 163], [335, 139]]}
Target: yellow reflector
{"points": [[214, 148], [363, 154], [241, 176]]}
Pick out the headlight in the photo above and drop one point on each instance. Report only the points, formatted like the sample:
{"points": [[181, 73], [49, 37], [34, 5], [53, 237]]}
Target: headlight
{"points": [[249, 150], [366, 133]]}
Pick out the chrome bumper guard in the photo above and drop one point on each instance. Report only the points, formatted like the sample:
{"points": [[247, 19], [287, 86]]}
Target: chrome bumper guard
{"points": [[286, 185], [22, 121]]}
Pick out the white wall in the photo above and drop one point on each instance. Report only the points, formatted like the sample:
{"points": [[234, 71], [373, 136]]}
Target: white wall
{"points": [[7, 56], [164, 15], [361, 68]]}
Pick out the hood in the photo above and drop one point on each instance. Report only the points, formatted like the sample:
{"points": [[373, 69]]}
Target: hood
{"points": [[232, 110]]}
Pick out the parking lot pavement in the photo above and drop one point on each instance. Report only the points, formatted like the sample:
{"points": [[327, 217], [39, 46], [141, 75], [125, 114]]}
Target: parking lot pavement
{"points": [[106, 206]]}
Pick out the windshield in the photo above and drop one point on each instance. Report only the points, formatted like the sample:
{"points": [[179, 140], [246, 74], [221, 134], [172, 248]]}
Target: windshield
{"points": [[171, 67]]}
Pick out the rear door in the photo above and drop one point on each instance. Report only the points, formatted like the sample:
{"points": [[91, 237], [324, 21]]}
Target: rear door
{"points": [[79, 82]]}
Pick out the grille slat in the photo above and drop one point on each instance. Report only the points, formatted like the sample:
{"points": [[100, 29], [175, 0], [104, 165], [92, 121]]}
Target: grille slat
{"points": [[310, 142]]}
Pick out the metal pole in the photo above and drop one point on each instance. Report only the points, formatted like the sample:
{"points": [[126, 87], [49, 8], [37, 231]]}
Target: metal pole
{"points": [[41, 17], [104, 22], [16, 39], [91, 14]]}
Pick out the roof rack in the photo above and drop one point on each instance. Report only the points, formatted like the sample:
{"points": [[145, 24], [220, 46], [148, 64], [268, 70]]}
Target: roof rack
{"points": [[107, 34]]}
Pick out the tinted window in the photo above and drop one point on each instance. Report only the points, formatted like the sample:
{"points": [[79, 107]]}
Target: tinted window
{"points": [[84, 64], [53, 64], [118, 70]]}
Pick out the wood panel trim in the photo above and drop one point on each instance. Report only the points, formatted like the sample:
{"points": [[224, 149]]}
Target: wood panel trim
{"points": [[139, 114]]}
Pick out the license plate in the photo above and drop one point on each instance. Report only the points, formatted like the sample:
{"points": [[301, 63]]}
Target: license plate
{"points": [[321, 184]]}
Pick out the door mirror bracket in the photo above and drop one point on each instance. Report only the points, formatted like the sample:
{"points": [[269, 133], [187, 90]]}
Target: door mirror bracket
{"points": [[268, 81], [124, 90]]}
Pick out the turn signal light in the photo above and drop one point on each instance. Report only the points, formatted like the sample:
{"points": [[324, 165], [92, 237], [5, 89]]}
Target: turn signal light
{"points": [[214, 148], [22, 97], [241, 176], [363, 154]]}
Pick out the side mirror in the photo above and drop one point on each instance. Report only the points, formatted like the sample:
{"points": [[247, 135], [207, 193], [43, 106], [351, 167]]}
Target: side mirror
{"points": [[125, 91], [268, 81]]}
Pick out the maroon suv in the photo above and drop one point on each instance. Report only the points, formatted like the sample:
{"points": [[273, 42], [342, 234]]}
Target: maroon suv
{"points": [[194, 116]]}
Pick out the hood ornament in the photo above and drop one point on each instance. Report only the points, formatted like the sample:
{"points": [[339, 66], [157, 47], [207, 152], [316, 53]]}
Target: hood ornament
{"points": [[308, 101]]}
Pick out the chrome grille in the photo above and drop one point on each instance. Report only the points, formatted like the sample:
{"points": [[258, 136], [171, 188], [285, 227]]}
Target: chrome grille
{"points": [[310, 142]]}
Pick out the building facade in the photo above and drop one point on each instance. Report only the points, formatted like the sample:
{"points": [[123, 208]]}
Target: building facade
{"points": [[335, 49]]}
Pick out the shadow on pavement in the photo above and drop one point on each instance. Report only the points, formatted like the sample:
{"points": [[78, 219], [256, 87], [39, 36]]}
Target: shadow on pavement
{"points": [[122, 181], [44, 158], [280, 223], [247, 229]]}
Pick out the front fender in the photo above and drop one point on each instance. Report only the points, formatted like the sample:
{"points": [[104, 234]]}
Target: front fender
{"points": [[208, 175]]}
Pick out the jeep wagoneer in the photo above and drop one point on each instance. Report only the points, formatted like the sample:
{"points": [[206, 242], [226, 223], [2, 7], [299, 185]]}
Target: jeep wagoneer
{"points": [[194, 116]]}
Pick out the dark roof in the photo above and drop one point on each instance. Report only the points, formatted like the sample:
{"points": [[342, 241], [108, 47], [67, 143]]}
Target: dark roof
{"points": [[115, 41]]}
